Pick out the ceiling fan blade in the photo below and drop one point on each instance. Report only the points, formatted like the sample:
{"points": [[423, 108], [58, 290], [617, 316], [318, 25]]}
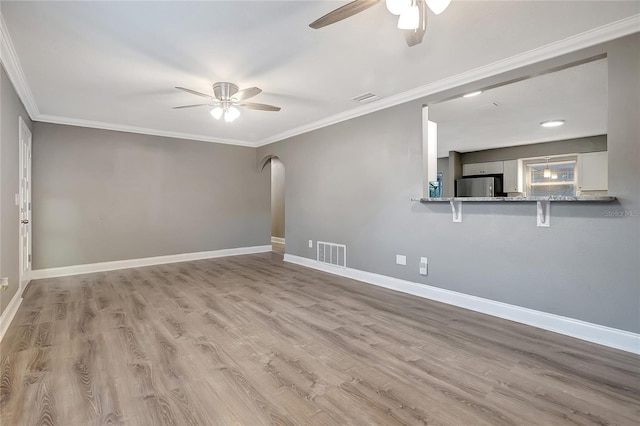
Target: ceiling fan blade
{"points": [[246, 94], [261, 107], [414, 37], [343, 12], [193, 92], [191, 106]]}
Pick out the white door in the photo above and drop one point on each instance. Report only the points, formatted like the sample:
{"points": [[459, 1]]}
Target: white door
{"points": [[25, 203]]}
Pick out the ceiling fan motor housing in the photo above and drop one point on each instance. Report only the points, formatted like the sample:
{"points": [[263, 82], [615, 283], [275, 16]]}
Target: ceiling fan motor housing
{"points": [[224, 90]]}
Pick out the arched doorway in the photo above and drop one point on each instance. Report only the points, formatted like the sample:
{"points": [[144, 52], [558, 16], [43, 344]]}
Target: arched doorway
{"points": [[277, 170]]}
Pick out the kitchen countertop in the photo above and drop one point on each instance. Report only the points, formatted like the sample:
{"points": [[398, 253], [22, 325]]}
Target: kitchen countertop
{"points": [[579, 198]]}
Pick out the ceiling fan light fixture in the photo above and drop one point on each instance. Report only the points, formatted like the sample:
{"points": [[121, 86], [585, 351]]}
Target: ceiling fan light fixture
{"points": [[217, 113], [231, 114], [438, 6], [396, 7], [410, 18]]}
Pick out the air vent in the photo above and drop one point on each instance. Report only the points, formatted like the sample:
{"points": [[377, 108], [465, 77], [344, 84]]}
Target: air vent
{"points": [[365, 97], [332, 254]]}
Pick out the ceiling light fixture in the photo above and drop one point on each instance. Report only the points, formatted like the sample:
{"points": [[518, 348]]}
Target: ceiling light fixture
{"points": [[226, 110], [396, 7], [217, 112], [472, 94], [410, 18], [438, 6], [552, 123], [231, 114]]}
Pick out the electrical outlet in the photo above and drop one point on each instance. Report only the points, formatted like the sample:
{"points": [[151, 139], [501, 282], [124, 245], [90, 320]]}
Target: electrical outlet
{"points": [[423, 267], [401, 260], [4, 283], [310, 243]]}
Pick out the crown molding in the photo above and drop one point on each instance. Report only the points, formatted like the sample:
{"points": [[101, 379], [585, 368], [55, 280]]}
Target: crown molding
{"points": [[140, 130], [583, 40], [9, 59], [570, 44]]}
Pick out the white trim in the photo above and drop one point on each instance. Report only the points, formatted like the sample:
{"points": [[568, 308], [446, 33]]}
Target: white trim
{"points": [[607, 336], [277, 240], [10, 60], [148, 261], [10, 312], [45, 118], [24, 134], [576, 42]]}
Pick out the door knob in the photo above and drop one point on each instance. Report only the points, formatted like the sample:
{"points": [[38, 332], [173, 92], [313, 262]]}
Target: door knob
{"points": [[25, 221]]}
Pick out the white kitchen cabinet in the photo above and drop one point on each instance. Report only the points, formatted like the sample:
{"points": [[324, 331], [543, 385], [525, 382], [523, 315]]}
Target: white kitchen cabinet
{"points": [[512, 178], [593, 171], [488, 168]]}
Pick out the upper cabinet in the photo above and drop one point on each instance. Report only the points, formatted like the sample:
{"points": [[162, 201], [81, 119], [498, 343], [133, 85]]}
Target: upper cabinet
{"points": [[489, 168], [512, 179], [593, 171]]}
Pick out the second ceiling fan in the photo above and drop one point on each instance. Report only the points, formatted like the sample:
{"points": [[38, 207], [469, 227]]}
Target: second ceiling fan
{"points": [[412, 15]]}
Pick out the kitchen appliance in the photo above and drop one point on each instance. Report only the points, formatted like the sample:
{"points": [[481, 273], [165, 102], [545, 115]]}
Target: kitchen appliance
{"points": [[478, 187]]}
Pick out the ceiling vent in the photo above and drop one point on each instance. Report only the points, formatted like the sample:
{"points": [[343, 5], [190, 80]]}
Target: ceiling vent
{"points": [[366, 97]]}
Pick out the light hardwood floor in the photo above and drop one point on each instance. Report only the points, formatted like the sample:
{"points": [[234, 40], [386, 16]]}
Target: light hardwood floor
{"points": [[251, 340]]}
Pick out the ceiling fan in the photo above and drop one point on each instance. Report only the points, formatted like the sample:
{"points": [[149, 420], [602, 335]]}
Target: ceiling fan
{"points": [[225, 100], [412, 15]]}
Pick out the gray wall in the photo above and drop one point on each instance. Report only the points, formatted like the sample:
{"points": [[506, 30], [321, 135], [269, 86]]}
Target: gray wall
{"points": [[568, 146], [277, 198], [11, 108], [101, 195], [351, 183]]}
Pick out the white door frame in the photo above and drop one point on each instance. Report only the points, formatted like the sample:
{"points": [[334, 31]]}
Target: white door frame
{"points": [[24, 135]]}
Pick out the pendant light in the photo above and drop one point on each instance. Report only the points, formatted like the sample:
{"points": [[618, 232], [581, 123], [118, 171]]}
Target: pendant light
{"points": [[547, 171]]}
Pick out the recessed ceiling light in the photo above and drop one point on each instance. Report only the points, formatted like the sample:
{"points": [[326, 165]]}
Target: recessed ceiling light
{"points": [[472, 94], [552, 123]]}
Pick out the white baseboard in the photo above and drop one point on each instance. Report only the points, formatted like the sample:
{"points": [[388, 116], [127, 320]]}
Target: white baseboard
{"points": [[607, 336], [277, 240], [148, 261], [10, 312]]}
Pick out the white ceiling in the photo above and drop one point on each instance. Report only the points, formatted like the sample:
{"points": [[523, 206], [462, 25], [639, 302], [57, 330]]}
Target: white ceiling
{"points": [[115, 64], [510, 115]]}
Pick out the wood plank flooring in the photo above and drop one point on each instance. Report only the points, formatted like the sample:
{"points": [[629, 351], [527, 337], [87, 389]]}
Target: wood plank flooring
{"points": [[250, 340]]}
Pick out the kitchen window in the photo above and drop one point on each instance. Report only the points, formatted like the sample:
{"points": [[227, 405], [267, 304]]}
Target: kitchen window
{"points": [[551, 176]]}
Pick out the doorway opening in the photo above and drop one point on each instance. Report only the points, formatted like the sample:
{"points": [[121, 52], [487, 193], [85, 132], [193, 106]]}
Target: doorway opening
{"points": [[277, 169], [277, 205]]}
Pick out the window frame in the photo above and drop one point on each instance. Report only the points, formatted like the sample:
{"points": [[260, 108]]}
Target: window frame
{"points": [[529, 163]]}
